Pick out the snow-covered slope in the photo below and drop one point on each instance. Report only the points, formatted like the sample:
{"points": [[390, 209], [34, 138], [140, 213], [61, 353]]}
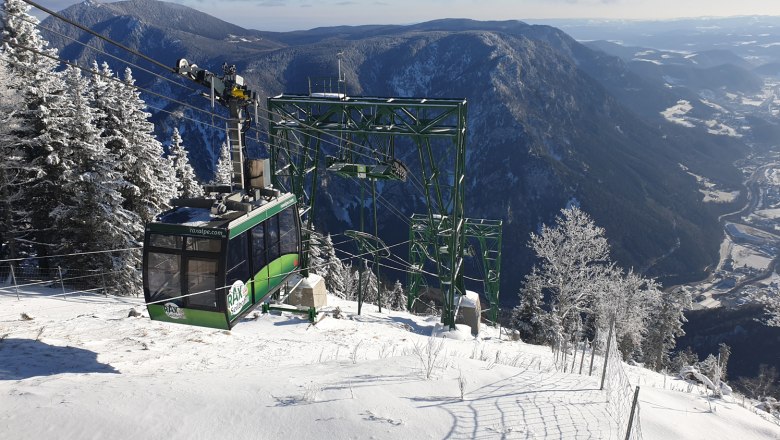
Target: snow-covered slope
{"points": [[81, 368]]}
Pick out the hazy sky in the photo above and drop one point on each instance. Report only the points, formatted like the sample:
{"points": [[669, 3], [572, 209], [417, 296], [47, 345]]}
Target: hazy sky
{"points": [[282, 15]]}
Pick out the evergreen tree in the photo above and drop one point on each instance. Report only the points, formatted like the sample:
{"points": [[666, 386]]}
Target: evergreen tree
{"points": [[528, 318], [13, 171], [334, 268], [667, 319], [724, 353], [396, 298], [349, 275], [90, 216], [150, 177], [224, 171], [20, 34], [42, 90], [316, 262], [370, 285], [186, 183]]}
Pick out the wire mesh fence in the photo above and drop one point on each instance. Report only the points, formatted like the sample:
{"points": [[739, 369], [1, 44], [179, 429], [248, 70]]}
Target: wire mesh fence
{"points": [[600, 357], [26, 276]]}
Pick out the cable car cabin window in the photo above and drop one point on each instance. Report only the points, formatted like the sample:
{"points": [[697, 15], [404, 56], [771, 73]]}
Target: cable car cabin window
{"points": [[164, 276], [237, 264], [202, 279], [272, 237], [165, 241], [288, 241], [203, 244], [258, 248]]}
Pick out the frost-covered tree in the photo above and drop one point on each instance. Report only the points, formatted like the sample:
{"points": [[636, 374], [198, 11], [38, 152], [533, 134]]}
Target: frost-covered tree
{"points": [[334, 268], [667, 318], [224, 171], [350, 277], [724, 354], [90, 216], [13, 169], [23, 44], [370, 285], [396, 297], [316, 262], [41, 88], [772, 310], [150, 177], [573, 257], [630, 299], [186, 183], [528, 317]]}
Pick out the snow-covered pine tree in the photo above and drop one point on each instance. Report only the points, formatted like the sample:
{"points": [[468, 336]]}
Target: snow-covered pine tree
{"points": [[528, 315], [667, 319], [370, 287], [224, 171], [42, 90], [316, 262], [573, 256], [349, 275], [90, 216], [13, 170], [396, 298], [149, 176], [334, 268], [186, 183]]}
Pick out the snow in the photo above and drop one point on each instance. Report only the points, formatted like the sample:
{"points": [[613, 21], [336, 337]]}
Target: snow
{"points": [[81, 368], [745, 256], [769, 213], [656, 62], [675, 113], [470, 300]]}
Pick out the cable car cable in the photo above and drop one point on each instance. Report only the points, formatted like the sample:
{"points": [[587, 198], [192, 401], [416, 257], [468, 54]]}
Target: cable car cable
{"points": [[106, 39], [130, 63], [90, 71], [113, 78]]}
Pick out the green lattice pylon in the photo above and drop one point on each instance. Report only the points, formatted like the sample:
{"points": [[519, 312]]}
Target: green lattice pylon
{"points": [[362, 128], [424, 241]]}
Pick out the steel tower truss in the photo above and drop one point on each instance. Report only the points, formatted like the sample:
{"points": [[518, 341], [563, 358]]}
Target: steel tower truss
{"points": [[367, 127]]}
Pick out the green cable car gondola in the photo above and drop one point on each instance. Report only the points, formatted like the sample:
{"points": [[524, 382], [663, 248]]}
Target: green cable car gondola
{"points": [[210, 262]]}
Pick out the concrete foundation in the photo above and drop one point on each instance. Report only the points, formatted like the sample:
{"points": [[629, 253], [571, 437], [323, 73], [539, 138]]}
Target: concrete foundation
{"points": [[470, 312], [309, 293]]}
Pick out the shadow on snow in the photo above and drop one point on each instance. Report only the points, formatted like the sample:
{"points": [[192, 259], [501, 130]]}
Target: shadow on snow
{"points": [[26, 358]]}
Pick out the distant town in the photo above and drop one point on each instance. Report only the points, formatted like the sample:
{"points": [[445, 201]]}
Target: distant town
{"points": [[746, 271]]}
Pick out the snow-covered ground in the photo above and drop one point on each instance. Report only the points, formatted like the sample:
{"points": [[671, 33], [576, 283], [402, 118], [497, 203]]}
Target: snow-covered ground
{"points": [[81, 368], [677, 113]]}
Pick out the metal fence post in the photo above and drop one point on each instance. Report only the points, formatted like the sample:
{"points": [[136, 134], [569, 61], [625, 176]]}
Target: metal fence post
{"points": [[103, 277], [593, 351], [582, 358], [631, 416], [13, 278], [606, 353], [574, 358], [62, 285]]}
